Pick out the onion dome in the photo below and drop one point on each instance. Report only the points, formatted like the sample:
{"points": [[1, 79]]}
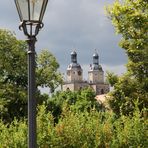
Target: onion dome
{"points": [[73, 57], [95, 55], [95, 58], [95, 65], [73, 63]]}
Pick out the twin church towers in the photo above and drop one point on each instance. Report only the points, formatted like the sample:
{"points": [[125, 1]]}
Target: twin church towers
{"points": [[74, 76]]}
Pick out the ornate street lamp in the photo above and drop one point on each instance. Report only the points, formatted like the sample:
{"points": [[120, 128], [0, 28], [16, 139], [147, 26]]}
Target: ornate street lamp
{"points": [[31, 14]]}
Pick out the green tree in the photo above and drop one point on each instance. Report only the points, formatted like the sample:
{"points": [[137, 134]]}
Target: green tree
{"points": [[130, 19], [47, 74], [13, 75], [77, 101]]}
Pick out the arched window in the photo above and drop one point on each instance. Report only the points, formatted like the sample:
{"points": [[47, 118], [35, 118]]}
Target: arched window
{"points": [[68, 89], [102, 91]]}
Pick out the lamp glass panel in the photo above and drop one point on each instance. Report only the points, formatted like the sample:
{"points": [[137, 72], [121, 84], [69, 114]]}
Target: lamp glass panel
{"points": [[35, 9], [43, 10], [22, 6]]}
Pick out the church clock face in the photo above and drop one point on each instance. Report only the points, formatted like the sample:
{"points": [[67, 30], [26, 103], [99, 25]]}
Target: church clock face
{"points": [[79, 73]]}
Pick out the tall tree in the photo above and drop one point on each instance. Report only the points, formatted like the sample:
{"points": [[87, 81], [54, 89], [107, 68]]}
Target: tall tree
{"points": [[13, 75], [47, 74], [130, 19]]}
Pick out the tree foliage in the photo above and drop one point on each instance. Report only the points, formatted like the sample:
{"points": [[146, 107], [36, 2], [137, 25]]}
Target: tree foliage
{"points": [[130, 19], [77, 101], [47, 74], [13, 75], [79, 129]]}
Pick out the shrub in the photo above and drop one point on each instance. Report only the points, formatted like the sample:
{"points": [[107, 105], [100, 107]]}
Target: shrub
{"points": [[79, 129]]}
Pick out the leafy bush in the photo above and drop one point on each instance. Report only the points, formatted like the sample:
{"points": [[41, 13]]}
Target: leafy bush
{"points": [[13, 135], [78, 101], [79, 129]]}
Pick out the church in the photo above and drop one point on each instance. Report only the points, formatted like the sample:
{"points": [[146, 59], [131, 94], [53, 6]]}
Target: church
{"points": [[74, 76]]}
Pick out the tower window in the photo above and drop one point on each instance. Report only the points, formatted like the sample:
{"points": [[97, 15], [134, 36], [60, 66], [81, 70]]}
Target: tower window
{"points": [[67, 89], [102, 91], [79, 73]]}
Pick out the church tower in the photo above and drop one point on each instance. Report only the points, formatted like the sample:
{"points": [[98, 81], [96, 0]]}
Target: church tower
{"points": [[74, 76], [96, 73], [74, 70], [96, 77]]}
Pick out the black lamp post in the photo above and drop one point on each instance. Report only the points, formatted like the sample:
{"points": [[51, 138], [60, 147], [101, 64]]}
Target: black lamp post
{"points": [[31, 14]]}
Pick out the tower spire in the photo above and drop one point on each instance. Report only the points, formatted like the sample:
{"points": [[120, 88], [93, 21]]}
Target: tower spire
{"points": [[95, 58], [73, 57]]}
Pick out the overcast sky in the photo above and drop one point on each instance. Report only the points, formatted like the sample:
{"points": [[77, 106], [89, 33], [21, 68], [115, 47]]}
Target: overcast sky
{"points": [[73, 24]]}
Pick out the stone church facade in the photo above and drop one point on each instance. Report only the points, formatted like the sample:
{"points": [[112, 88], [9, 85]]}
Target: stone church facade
{"points": [[74, 76]]}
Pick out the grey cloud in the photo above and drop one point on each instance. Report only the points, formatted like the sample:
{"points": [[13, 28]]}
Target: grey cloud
{"points": [[70, 24]]}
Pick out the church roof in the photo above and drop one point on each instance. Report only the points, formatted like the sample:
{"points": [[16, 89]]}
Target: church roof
{"points": [[73, 65], [96, 67], [73, 53], [95, 54]]}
